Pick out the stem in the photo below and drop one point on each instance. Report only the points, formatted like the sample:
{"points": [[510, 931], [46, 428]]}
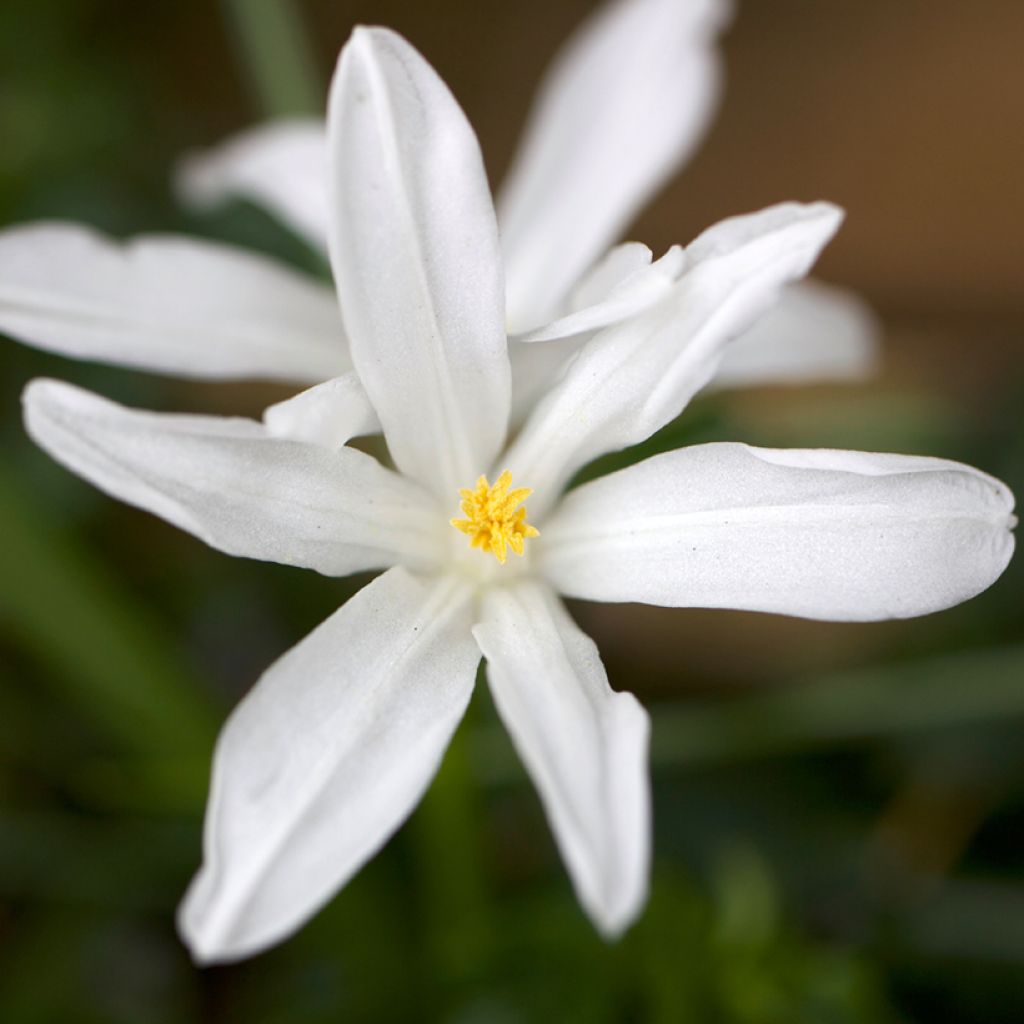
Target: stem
{"points": [[273, 47], [446, 833]]}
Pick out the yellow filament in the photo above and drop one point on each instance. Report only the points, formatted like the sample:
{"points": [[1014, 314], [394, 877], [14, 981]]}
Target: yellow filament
{"points": [[493, 522]]}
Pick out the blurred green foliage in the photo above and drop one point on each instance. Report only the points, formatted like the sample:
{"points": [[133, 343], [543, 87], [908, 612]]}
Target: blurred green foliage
{"points": [[846, 847]]}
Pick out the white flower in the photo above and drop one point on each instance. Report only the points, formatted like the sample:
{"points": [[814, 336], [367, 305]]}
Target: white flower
{"points": [[625, 104], [335, 744]]}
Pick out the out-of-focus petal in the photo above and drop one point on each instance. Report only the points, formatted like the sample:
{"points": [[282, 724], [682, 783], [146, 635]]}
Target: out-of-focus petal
{"points": [[584, 745], [325, 758], [415, 253], [815, 332], [820, 534], [633, 378], [625, 103], [230, 484], [281, 166], [173, 305]]}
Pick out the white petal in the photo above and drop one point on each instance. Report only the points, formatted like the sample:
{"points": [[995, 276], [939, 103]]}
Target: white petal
{"points": [[281, 166], [325, 758], [415, 254], [584, 746], [623, 284], [634, 377], [173, 305], [820, 534], [618, 264], [815, 332], [536, 369], [629, 296], [625, 103], [229, 483], [328, 414]]}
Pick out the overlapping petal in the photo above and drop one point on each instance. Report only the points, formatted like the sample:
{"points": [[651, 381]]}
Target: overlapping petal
{"points": [[616, 266], [633, 378], [631, 294], [815, 332], [626, 101], [416, 261], [536, 369], [819, 534], [242, 491], [169, 304], [326, 757], [329, 414], [281, 166], [584, 745]]}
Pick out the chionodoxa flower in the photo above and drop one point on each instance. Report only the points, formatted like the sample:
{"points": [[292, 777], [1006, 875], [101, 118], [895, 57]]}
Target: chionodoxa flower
{"points": [[335, 744]]}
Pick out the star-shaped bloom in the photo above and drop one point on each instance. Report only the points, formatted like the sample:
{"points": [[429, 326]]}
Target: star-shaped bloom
{"points": [[335, 744], [623, 106]]}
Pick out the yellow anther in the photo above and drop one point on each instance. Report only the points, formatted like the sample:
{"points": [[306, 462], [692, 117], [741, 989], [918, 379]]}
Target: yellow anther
{"points": [[493, 522]]}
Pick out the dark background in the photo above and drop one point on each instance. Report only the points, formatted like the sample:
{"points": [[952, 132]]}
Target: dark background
{"points": [[839, 808]]}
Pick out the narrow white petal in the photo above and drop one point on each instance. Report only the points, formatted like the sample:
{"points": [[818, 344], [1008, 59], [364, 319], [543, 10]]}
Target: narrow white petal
{"points": [[815, 332], [631, 295], [325, 758], [415, 254], [281, 166], [172, 305], [820, 534], [625, 103], [633, 378], [328, 414], [232, 485], [584, 745]]}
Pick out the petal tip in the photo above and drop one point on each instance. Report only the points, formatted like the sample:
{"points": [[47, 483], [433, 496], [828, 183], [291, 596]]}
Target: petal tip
{"points": [[35, 389], [205, 932], [189, 922], [821, 212], [40, 392], [614, 919], [368, 40], [829, 211]]}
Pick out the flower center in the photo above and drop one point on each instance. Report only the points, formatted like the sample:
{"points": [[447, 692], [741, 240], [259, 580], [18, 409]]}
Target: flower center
{"points": [[493, 522]]}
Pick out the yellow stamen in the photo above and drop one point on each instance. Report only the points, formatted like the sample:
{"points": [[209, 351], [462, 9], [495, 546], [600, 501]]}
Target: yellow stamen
{"points": [[494, 523]]}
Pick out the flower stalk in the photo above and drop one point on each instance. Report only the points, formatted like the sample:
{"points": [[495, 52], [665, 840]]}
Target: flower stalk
{"points": [[273, 48]]}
